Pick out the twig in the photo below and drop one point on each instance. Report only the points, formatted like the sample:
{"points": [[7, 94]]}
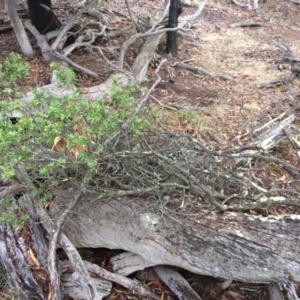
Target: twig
{"points": [[295, 143], [295, 1], [79, 43], [162, 105], [194, 45], [285, 81], [48, 54], [67, 246], [138, 36], [247, 24], [201, 71], [53, 274], [198, 187], [108, 61], [75, 65], [70, 23], [131, 17], [141, 191], [283, 47], [130, 284], [289, 56], [190, 36], [158, 80], [248, 5], [140, 104], [11, 190], [41, 40], [197, 13]]}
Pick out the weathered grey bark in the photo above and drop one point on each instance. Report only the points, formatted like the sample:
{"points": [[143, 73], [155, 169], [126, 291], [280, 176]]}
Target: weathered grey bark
{"points": [[177, 284], [229, 245], [21, 252], [17, 25], [140, 65], [275, 292]]}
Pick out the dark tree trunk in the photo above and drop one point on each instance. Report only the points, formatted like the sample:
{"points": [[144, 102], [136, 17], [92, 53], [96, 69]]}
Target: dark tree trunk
{"points": [[42, 16], [175, 11]]}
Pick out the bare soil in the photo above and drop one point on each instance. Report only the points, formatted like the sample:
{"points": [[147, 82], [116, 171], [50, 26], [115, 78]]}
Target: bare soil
{"points": [[222, 111]]}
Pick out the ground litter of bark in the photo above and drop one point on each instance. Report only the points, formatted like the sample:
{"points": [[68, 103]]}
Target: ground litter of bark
{"points": [[246, 54]]}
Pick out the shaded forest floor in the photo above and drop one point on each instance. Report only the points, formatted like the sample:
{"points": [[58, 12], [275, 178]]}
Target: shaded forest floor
{"points": [[218, 112]]}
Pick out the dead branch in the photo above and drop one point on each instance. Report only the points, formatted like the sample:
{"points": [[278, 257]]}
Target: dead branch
{"points": [[54, 276], [48, 54], [82, 42], [41, 40], [274, 292], [88, 37], [283, 47], [248, 5], [75, 65], [247, 24], [177, 284], [127, 263], [140, 65], [133, 38], [163, 105], [295, 1], [201, 71], [140, 104], [11, 190], [72, 253], [130, 284], [290, 57], [15, 257], [285, 81], [74, 289], [194, 16], [269, 138], [131, 17], [71, 22], [196, 186], [190, 36]]}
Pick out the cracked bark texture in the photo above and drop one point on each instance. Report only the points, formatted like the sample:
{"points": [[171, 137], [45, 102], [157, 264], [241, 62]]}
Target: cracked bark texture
{"points": [[229, 245]]}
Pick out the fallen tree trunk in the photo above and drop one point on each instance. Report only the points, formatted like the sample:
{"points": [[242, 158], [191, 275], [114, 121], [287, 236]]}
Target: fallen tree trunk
{"points": [[229, 245]]}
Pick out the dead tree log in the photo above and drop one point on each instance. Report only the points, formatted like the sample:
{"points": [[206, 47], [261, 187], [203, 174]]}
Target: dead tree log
{"points": [[229, 245]]}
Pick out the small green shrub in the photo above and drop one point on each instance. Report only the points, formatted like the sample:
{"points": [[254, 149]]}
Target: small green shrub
{"points": [[57, 139], [12, 70], [53, 133]]}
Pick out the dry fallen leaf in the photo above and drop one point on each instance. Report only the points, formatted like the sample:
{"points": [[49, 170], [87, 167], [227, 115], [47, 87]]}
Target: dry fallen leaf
{"points": [[57, 144]]}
